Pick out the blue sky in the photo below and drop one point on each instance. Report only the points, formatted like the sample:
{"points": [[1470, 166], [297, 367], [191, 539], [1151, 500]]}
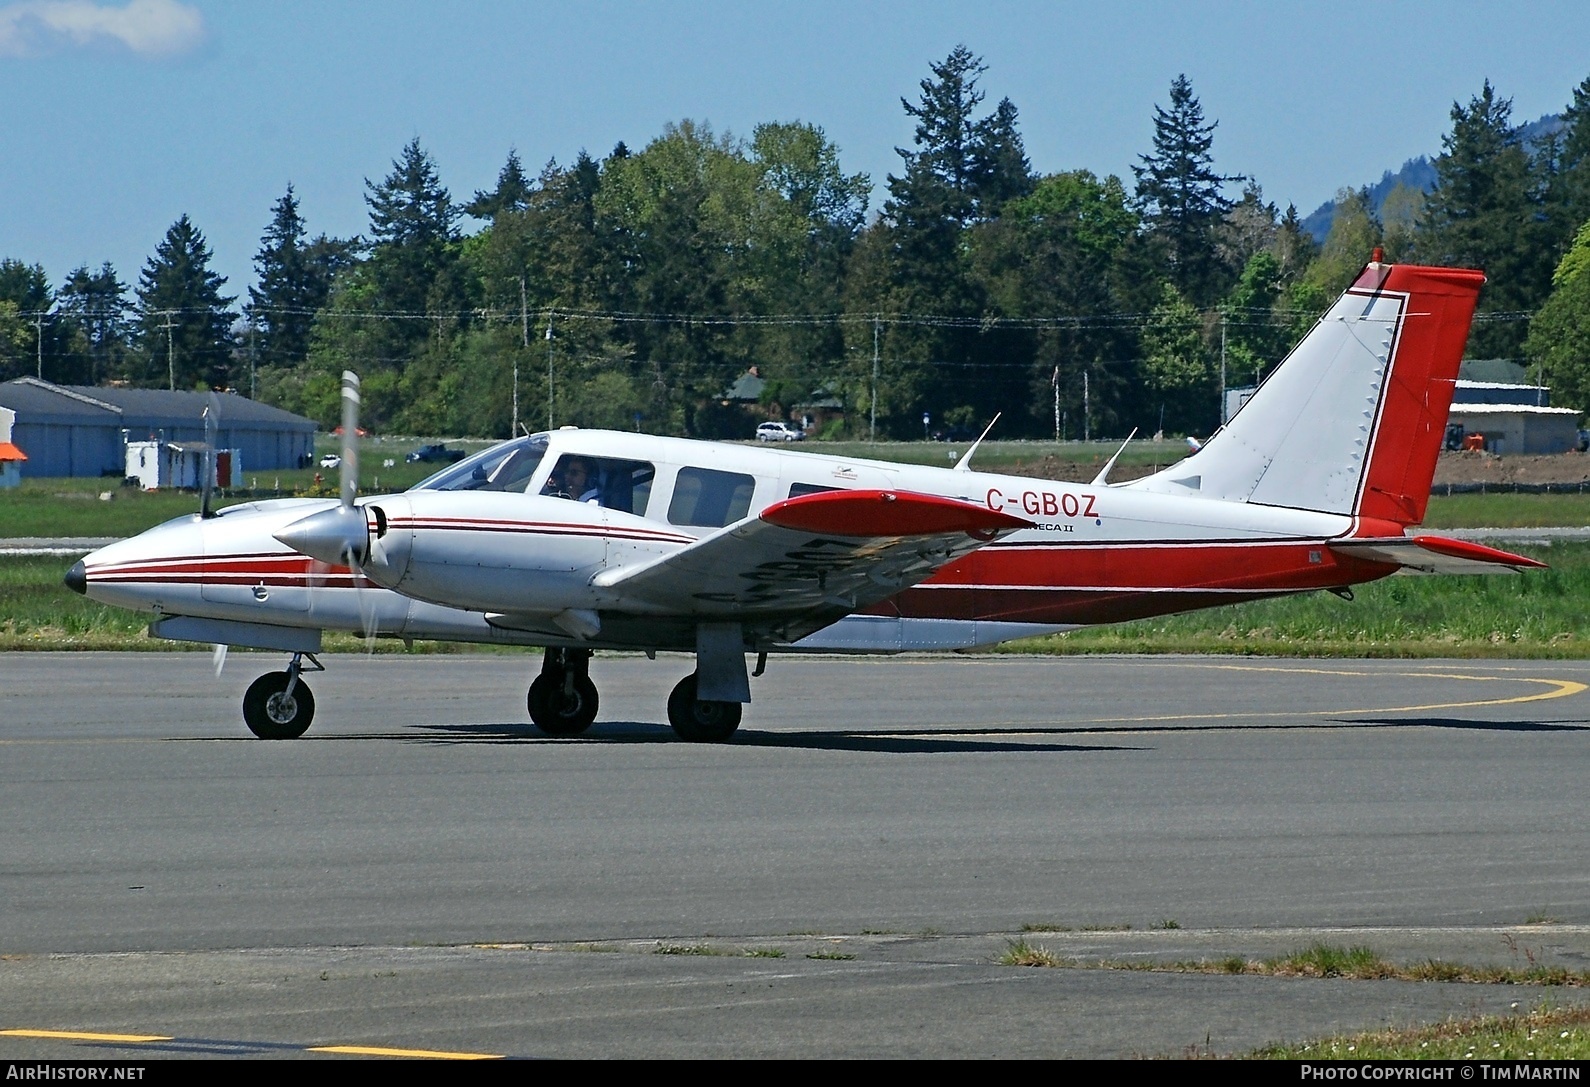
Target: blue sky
{"points": [[117, 117]]}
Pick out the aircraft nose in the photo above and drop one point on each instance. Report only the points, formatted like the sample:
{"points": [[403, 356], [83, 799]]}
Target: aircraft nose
{"points": [[77, 578]]}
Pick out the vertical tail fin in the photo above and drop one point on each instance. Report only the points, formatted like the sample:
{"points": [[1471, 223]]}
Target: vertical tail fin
{"points": [[1352, 420]]}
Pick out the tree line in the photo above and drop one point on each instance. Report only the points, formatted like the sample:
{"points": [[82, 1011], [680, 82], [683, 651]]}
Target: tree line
{"points": [[632, 291]]}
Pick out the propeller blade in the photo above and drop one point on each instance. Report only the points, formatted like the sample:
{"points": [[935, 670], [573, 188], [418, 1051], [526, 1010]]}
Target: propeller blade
{"points": [[218, 657], [212, 416], [350, 438]]}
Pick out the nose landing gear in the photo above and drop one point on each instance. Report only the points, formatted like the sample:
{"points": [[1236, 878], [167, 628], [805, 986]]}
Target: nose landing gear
{"points": [[278, 705]]}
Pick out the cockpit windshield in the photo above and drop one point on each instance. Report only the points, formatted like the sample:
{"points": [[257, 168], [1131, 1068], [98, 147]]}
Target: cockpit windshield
{"points": [[504, 467]]}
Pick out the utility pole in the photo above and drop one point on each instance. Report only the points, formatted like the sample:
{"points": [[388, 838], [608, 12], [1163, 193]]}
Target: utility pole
{"points": [[38, 319], [524, 335], [1055, 381], [549, 370], [171, 364], [873, 431], [1087, 434]]}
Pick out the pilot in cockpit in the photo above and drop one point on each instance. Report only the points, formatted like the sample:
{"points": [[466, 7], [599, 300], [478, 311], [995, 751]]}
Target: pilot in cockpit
{"points": [[574, 479]]}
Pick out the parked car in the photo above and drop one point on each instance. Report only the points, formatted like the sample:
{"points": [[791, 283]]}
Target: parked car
{"points": [[331, 460], [779, 432], [435, 454]]}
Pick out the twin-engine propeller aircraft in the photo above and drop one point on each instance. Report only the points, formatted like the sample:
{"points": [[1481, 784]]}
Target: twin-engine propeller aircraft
{"points": [[580, 540]]}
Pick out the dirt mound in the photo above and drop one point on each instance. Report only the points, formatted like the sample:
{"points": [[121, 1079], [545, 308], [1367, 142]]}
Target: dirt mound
{"points": [[1475, 467]]}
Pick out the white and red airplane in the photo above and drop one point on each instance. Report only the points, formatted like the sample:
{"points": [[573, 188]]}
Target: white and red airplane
{"points": [[580, 540]]}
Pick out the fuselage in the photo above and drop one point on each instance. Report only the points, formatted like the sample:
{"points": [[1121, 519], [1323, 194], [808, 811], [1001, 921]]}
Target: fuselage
{"points": [[499, 549]]}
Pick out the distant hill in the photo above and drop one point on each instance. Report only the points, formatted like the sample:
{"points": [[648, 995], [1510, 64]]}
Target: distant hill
{"points": [[1417, 173]]}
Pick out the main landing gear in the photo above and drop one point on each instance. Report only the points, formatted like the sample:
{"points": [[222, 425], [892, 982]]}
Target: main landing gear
{"points": [[278, 705], [562, 699], [700, 720]]}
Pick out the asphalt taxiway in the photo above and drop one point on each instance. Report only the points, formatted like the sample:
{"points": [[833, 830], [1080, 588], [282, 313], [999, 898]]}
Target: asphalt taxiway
{"points": [[424, 871]]}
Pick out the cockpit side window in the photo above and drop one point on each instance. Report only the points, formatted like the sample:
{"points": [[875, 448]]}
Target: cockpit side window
{"points": [[623, 485], [709, 499]]}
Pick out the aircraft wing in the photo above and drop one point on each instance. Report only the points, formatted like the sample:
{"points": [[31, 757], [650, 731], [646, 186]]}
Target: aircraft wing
{"points": [[835, 552], [1435, 555]]}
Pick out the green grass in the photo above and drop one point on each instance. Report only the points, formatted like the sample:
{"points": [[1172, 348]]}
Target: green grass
{"points": [[1318, 961], [1561, 1034], [1508, 511], [1540, 614], [1024, 953]]}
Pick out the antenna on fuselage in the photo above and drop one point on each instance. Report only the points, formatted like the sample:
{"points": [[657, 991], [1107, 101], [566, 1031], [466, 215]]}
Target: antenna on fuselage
{"points": [[1102, 479], [965, 463]]}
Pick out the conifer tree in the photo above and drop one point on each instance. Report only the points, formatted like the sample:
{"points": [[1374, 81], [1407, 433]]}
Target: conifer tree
{"points": [[184, 322], [1486, 212], [511, 194], [1182, 196], [95, 305], [291, 288]]}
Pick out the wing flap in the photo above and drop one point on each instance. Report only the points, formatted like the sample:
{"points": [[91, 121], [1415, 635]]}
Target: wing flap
{"points": [[837, 550], [1436, 555]]}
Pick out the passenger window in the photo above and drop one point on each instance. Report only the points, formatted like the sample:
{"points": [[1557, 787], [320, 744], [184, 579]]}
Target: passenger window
{"points": [[623, 485], [796, 490], [709, 499]]}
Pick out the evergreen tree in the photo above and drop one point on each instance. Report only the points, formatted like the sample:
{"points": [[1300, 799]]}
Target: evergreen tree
{"points": [[511, 194], [184, 322], [95, 306], [1182, 196], [1486, 212], [1000, 169], [292, 287], [938, 186], [413, 222], [963, 171]]}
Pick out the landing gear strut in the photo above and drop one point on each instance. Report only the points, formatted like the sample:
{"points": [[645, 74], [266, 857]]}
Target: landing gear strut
{"points": [[562, 699], [278, 705], [700, 721]]}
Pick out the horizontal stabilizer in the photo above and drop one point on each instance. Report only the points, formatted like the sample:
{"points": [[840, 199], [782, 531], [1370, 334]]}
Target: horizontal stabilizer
{"points": [[1436, 555]]}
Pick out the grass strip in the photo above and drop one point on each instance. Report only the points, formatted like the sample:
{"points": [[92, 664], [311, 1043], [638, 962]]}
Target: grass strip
{"points": [[1555, 1034], [1316, 961]]}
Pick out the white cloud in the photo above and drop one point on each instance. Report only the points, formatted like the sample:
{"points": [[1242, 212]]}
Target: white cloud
{"points": [[148, 28]]}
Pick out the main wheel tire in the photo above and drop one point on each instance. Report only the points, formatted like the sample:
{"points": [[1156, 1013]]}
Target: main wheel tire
{"points": [[697, 721], [560, 714], [271, 714]]}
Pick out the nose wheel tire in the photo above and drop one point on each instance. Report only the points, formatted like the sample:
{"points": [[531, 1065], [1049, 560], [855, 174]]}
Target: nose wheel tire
{"points": [[698, 721], [558, 712], [273, 714]]}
